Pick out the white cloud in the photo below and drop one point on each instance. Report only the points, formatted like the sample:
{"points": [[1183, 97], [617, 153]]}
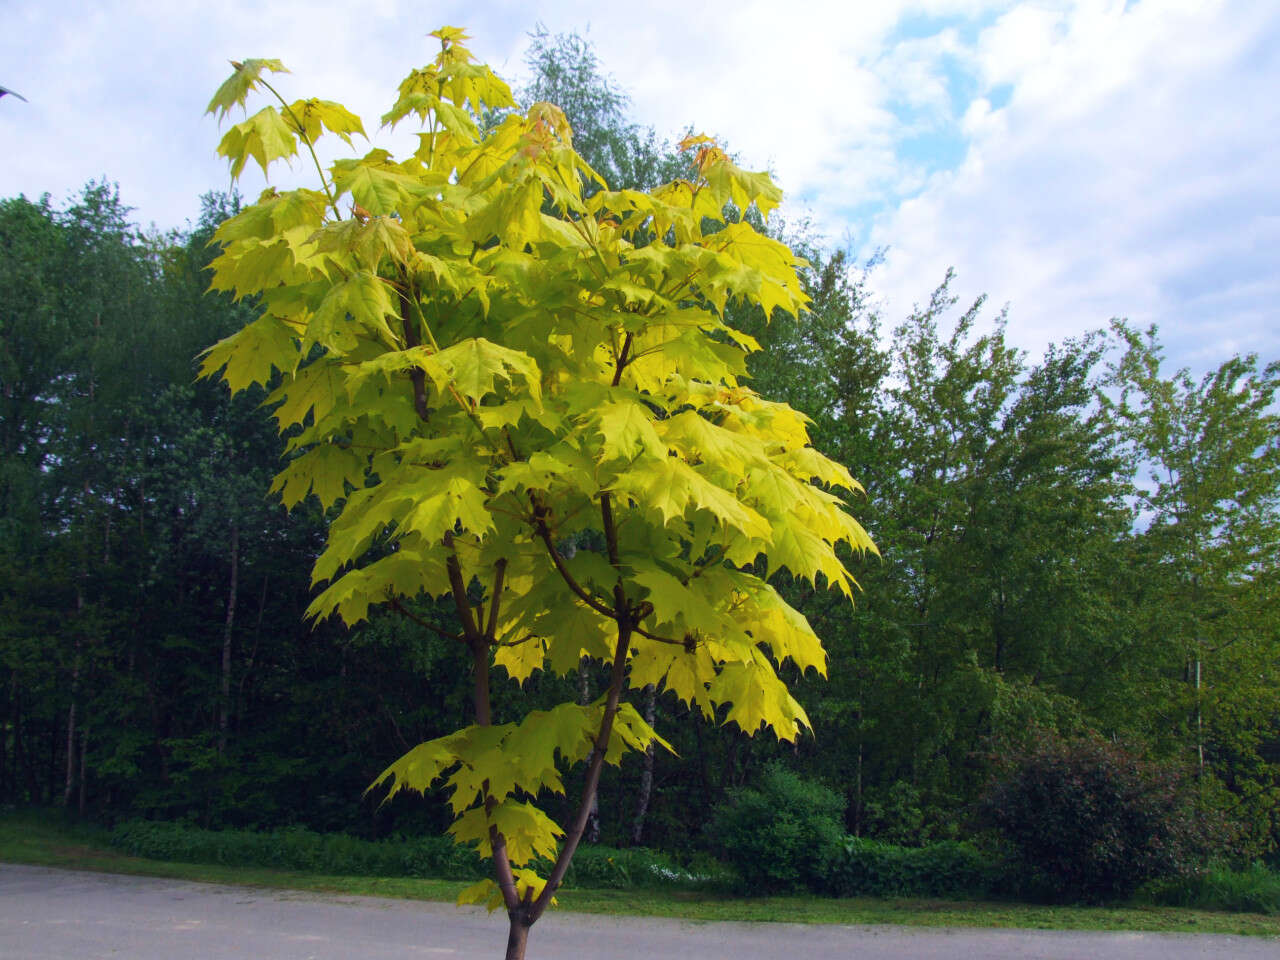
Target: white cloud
{"points": [[1132, 173], [1116, 159]]}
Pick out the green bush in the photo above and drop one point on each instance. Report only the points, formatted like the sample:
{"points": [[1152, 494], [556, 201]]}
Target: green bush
{"points": [[437, 857], [299, 849], [1252, 890], [780, 835], [1087, 820], [610, 867], [869, 868]]}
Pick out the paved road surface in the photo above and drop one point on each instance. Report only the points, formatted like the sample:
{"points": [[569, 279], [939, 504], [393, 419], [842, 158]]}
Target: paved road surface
{"points": [[62, 914]]}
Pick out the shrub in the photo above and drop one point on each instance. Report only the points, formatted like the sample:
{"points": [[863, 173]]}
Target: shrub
{"points": [[945, 869], [779, 835], [299, 849], [1089, 820], [1255, 889], [437, 856], [610, 867]]}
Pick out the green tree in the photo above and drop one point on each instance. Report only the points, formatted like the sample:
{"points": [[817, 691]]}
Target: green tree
{"points": [[566, 72], [482, 364], [1210, 501]]}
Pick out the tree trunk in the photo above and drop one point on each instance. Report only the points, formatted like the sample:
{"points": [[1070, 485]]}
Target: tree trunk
{"points": [[517, 937], [84, 749], [247, 672], [24, 772], [1199, 724], [4, 761], [646, 773], [71, 754], [71, 711], [592, 832], [224, 703], [857, 787]]}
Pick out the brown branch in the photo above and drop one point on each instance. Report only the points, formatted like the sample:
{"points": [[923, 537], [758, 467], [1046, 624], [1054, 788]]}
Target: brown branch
{"points": [[513, 643], [610, 529], [498, 843], [496, 601], [574, 835], [653, 636], [401, 609], [544, 534], [480, 663], [417, 375], [459, 589], [623, 360]]}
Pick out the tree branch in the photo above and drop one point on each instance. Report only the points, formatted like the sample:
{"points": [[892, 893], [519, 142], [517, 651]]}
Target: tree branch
{"points": [[544, 534], [495, 602], [417, 375], [501, 862], [401, 609], [459, 589], [574, 834]]}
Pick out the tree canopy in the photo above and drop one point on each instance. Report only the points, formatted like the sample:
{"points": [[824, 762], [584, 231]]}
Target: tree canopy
{"points": [[480, 365]]}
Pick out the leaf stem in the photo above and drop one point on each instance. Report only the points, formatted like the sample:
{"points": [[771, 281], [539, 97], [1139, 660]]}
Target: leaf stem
{"points": [[310, 148]]}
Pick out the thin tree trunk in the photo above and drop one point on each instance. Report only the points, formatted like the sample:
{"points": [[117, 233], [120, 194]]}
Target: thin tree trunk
{"points": [[224, 706], [71, 749], [52, 772], [857, 788], [253, 656], [1199, 723], [24, 772], [16, 754], [517, 940], [592, 832], [84, 749], [71, 711], [4, 760], [646, 772]]}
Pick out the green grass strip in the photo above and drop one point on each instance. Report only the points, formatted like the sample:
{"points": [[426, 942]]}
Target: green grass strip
{"points": [[34, 840]]}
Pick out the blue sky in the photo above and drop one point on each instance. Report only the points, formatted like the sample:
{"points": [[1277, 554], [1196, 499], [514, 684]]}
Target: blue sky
{"points": [[1076, 160]]}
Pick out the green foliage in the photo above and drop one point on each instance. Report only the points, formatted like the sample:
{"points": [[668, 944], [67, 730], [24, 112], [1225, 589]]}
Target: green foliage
{"points": [[603, 867], [296, 848], [1020, 589], [1255, 889], [487, 360], [1209, 484], [869, 868], [1088, 820], [780, 834]]}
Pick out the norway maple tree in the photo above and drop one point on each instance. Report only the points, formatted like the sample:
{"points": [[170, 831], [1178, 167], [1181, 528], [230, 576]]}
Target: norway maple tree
{"points": [[528, 402]]}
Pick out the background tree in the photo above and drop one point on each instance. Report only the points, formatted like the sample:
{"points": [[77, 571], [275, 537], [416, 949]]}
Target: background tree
{"points": [[1210, 501], [1059, 591]]}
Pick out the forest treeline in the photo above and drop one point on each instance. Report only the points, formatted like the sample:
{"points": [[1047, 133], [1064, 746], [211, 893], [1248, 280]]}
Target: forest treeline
{"points": [[1080, 542]]}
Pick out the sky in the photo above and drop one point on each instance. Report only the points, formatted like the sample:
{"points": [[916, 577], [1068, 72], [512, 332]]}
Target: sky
{"points": [[1075, 161]]}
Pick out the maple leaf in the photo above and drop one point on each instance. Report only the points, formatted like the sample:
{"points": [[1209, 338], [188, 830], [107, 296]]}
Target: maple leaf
{"points": [[324, 470], [363, 297], [376, 183], [627, 430], [243, 81], [312, 117], [529, 832], [251, 354], [474, 365], [265, 137]]}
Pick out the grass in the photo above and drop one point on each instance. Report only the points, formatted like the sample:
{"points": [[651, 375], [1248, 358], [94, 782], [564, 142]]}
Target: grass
{"points": [[37, 840]]}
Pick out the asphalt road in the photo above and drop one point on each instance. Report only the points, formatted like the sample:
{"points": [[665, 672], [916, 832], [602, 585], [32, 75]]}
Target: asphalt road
{"points": [[47, 914]]}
